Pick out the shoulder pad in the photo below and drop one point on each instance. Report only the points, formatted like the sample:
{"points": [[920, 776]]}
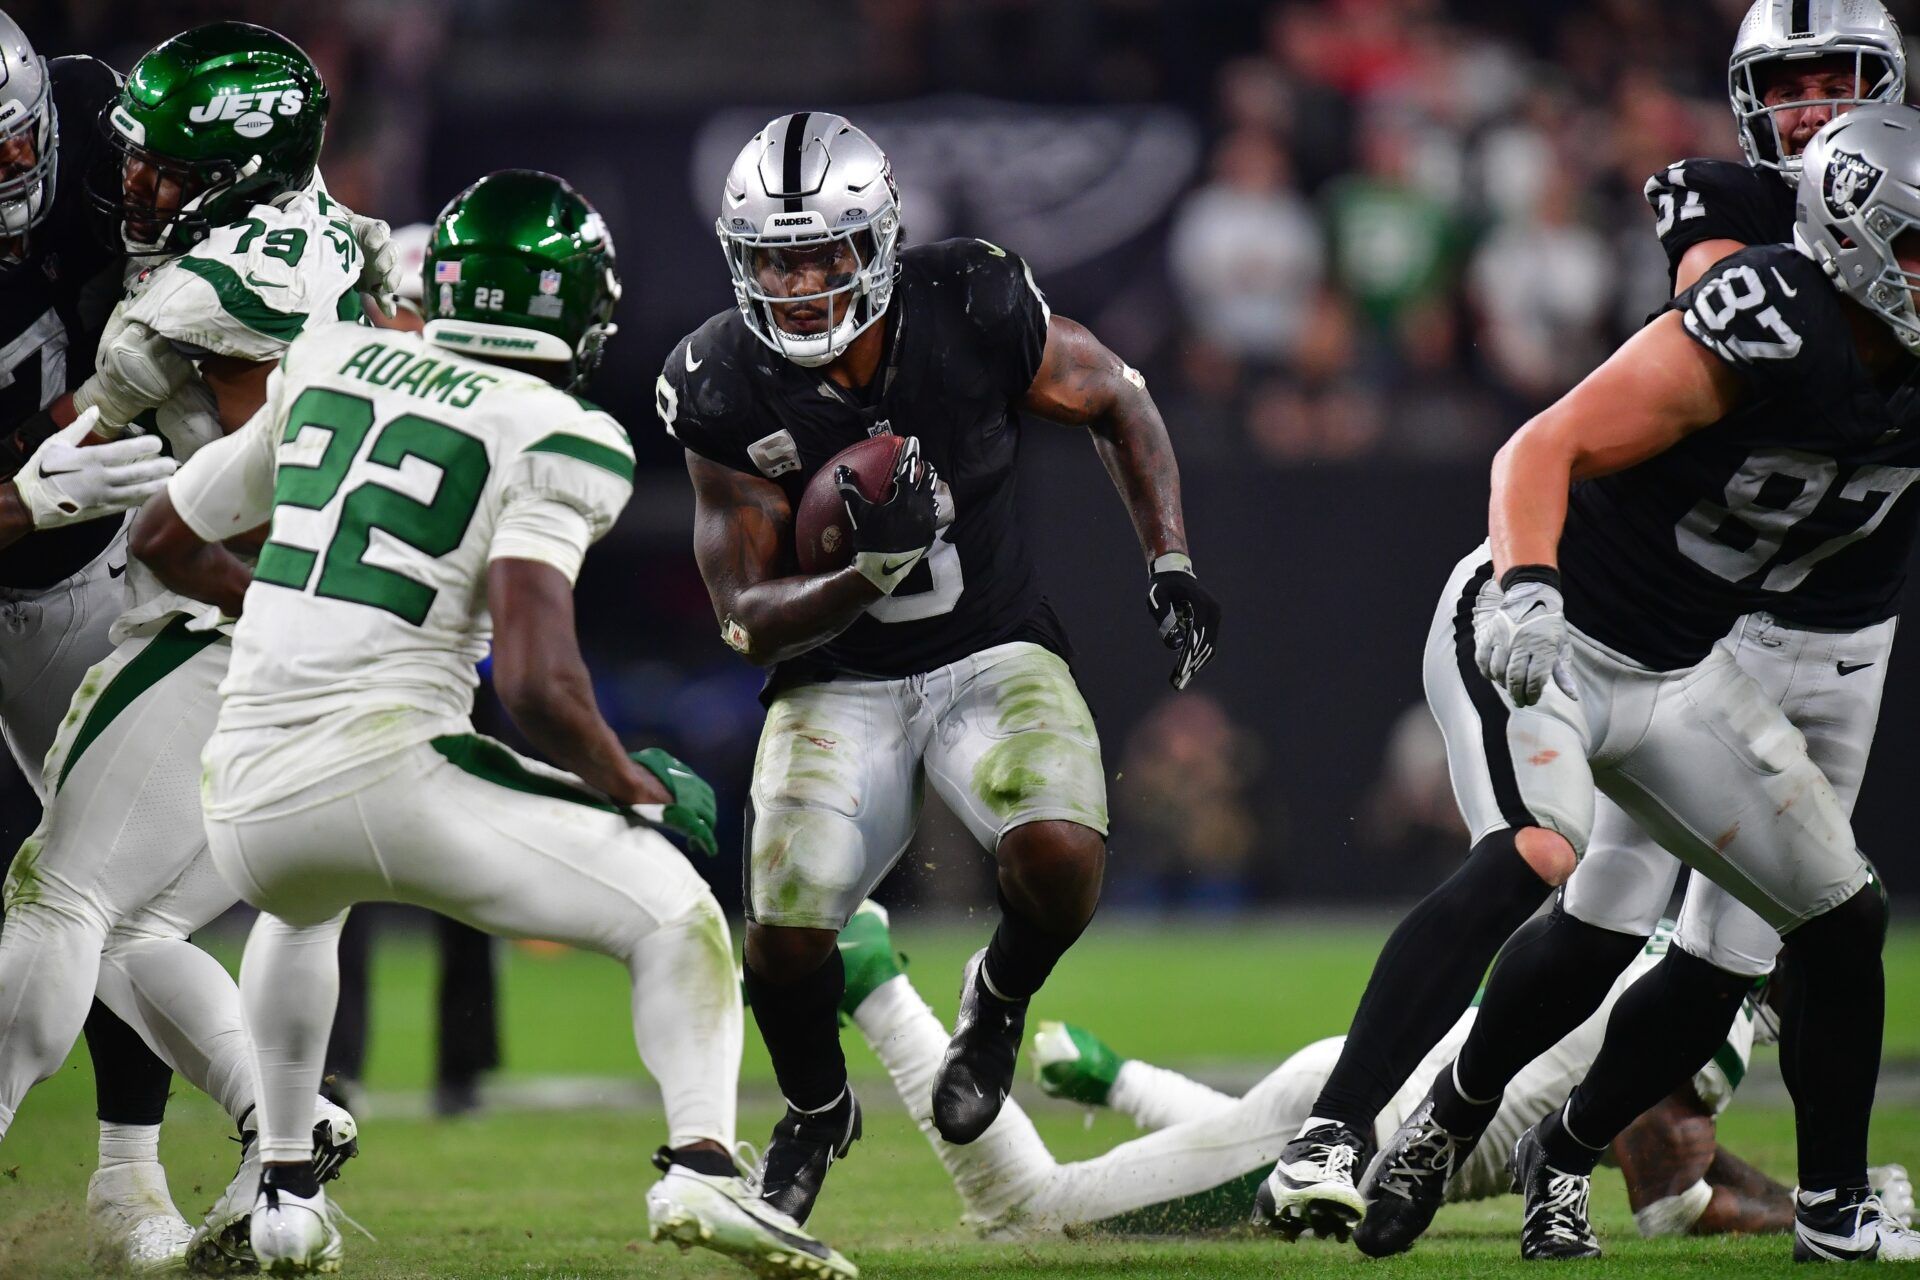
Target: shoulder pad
{"points": [[704, 393], [1697, 200], [251, 287], [1765, 305]]}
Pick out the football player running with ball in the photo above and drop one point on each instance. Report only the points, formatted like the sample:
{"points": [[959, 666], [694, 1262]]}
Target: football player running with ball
{"points": [[1820, 650], [1728, 450], [931, 657], [431, 494]]}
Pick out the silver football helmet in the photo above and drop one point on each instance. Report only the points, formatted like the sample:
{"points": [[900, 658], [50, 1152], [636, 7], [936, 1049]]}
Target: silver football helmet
{"points": [[1859, 190], [26, 117], [1800, 30], [810, 223]]}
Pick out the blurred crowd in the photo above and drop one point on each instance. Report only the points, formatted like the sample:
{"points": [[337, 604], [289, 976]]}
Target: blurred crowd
{"points": [[1417, 227]]}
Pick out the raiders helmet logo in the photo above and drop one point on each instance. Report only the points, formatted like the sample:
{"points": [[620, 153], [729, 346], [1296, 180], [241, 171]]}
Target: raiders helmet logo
{"points": [[1849, 180]]}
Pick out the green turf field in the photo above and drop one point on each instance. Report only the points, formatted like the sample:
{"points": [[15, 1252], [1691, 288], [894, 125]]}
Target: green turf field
{"points": [[559, 1194]]}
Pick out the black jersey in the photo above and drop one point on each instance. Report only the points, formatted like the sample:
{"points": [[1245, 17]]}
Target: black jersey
{"points": [[965, 332], [1699, 200], [53, 305], [1770, 508]]}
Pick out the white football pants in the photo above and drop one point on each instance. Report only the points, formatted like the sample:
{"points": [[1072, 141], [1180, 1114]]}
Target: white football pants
{"points": [[465, 827], [102, 897], [1702, 759], [1829, 685]]}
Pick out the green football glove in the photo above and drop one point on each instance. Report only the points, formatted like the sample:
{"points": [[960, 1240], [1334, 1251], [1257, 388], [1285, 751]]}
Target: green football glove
{"points": [[693, 811]]}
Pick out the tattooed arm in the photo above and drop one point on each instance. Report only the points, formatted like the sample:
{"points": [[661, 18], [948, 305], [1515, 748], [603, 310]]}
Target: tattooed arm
{"points": [[742, 539], [1673, 1147], [1083, 384]]}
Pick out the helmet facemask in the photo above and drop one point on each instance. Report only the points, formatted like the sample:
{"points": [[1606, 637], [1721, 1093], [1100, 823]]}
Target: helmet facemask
{"points": [[1876, 78], [26, 189], [138, 224], [797, 261]]}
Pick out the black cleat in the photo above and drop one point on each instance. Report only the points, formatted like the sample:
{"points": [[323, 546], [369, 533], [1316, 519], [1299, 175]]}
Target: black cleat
{"points": [[977, 1073], [1849, 1225], [1555, 1226], [1407, 1182], [803, 1146], [1311, 1187]]}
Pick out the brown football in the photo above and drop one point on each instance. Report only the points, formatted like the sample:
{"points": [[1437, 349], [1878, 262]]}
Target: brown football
{"points": [[821, 535]]}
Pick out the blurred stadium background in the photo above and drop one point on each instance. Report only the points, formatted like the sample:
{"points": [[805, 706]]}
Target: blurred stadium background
{"points": [[1352, 244]]}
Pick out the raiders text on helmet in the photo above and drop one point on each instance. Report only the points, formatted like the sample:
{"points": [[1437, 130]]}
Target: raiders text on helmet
{"points": [[230, 113], [1789, 31], [1859, 190], [26, 111], [811, 181]]}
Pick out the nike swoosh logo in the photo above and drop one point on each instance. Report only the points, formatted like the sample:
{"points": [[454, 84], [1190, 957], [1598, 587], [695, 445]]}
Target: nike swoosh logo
{"points": [[1785, 288], [258, 283], [894, 566], [693, 366], [1537, 604], [1848, 668], [115, 570]]}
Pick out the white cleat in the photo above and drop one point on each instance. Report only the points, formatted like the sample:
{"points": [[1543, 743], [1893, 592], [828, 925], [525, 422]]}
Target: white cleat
{"points": [[294, 1235], [722, 1214], [222, 1244], [1849, 1226], [131, 1222]]}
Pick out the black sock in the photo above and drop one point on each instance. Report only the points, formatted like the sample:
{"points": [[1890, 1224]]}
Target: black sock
{"points": [[1664, 1028], [1833, 1038], [1565, 1152], [1426, 975], [130, 1084], [1022, 953], [294, 1179], [1550, 977], [716, 1164], [800, 1023]]}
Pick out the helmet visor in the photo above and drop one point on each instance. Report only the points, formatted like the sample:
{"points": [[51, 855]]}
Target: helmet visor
{"points": [[149, 203], [1782, 102], [27, 155], [803, 286]]}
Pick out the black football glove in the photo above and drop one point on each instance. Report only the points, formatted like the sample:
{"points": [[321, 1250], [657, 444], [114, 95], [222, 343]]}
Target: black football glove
{"points": [[890, 537], [1186, 613]]}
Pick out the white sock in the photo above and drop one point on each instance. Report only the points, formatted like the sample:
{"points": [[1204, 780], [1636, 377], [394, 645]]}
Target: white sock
{"points": [[128, 1144], [687, 1023], [184, 1003], [998, 1171], [289, 983], [1156, 1097]]}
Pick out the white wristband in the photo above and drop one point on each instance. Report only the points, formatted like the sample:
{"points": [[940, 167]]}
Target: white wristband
{"points": [[1172, 562], [1675, 1215]]}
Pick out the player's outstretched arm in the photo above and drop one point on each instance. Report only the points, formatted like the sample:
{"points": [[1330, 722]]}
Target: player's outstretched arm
{"points": [[742, 532], [543, 682], [1081, 383], [1657, 389], [62, 482]]}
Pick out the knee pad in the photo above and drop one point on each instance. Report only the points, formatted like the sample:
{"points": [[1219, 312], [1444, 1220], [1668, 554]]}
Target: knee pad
{"points": [[1856, 929]]}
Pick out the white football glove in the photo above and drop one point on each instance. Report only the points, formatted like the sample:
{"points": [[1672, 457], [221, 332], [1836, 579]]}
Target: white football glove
{"points": [[1519, 637], [1895, 1189], [380, 271], [64, 483], [134, 370]]}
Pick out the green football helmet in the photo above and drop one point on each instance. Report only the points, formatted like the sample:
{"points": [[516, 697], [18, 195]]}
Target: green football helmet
{"points": [[209, 123], [520, 267]]}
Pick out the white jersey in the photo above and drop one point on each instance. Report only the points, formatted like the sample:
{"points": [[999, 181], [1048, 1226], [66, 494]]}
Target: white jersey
{"points": [[1544, 1084], [394, 472], [245, 291]]}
